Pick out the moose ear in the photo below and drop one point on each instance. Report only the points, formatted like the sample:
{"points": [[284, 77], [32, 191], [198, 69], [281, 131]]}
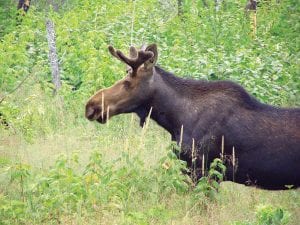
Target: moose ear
{"points": [[152, 61]]}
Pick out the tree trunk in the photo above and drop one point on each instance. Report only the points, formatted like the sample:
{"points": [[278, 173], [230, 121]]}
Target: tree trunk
{"points": [[53, 55], [250, 11], [217, 5], [204, 3], [54, 4], [180, 7], [250, 6], [23, 5]]}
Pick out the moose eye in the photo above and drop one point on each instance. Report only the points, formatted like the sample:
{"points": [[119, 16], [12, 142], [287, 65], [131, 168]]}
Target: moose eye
{"points": [[129, 70], [126, 84]]}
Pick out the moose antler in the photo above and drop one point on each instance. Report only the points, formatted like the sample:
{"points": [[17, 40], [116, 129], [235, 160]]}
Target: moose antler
{"points": [[138, 57], [133, 52]]}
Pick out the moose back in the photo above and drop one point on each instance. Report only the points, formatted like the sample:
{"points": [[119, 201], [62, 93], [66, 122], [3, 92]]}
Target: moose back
{"points": [[198, 114]]}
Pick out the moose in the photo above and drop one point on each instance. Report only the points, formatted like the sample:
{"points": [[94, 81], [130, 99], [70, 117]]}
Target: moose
{"points": [[202, 116]]}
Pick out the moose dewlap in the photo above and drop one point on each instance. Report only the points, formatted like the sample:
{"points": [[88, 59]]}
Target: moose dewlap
{"points": [[198, 114]]}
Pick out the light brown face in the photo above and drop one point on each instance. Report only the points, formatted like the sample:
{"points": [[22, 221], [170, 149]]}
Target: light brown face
{"points": [[128, 93]]}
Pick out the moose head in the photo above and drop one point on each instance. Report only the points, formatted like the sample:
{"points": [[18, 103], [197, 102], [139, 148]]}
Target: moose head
{"points": [[127, 94]]}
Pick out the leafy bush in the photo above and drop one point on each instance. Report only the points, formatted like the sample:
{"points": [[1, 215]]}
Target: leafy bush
{"points": [[269, 215], [64, 189], [210, 184]]}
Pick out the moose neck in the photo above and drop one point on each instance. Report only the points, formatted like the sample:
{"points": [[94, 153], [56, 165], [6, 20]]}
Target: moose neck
{"points": [[169, 106]]}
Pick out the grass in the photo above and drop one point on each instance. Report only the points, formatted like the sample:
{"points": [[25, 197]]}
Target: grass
{"points": [[109, 140], [144, 191]]}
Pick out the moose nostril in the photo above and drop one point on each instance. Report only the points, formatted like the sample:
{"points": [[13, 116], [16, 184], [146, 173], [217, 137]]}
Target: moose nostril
{"points": [[89, 113]]}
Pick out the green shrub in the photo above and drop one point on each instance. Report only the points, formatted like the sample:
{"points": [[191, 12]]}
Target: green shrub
{"points": [[268, 215]]}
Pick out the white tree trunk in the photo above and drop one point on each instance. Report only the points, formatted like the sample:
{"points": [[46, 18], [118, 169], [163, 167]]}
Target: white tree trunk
{"points": [[217, 5], [53, 55]]}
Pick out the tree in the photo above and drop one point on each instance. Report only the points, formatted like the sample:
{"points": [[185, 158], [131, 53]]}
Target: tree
{"points": [[250, 9], [250, 6], [24, 5], [180, 7], [53, 55]]}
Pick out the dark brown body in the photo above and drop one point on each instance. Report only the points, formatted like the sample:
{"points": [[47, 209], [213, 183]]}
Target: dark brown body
{"points": [[266, 139]]}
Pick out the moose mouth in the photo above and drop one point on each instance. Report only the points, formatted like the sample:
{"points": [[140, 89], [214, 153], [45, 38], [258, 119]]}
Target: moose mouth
{"points": [[93, 114], [102, 119]]}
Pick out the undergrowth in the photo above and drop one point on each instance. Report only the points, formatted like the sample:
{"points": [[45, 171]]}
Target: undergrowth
{"points": [[69, 188]]}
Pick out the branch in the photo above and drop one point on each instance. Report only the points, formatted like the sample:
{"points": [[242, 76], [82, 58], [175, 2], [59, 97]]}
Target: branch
{"points": [[16, 88]]}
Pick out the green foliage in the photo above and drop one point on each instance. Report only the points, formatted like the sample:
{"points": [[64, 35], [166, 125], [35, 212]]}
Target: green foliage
{"points": [[269, 215], [171, 169], [209, 185], [66, 189], [8, 15]]}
